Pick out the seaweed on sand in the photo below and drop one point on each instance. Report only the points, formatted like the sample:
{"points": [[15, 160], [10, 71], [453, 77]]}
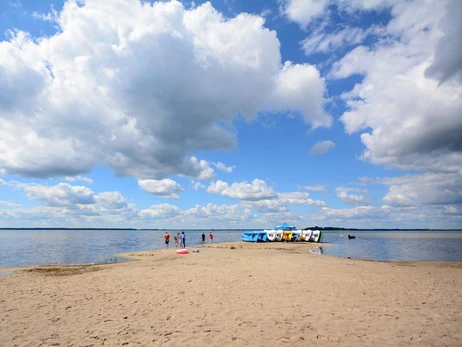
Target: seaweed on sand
{"points": [[63, 270]]}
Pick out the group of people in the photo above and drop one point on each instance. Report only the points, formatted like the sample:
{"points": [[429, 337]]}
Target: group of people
{"points": [[180, 239], [203, 238]]}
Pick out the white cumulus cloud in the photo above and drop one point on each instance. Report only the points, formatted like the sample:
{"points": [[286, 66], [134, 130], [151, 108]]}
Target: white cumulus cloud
{"points": [[166, 187], [222, 167], [350, 199], [266, 206], [319, 187], [77, 203], [434, 216], [197, 185], [140, 87], [448, 53], [79, 178], [228, 213], [111, 200], [8, 203], [62, 194], [280, 203], [361, 212], [304, 12], [257, 190], [51, 16], [160, 212], [424, 189], [298, 198], [322, 147], [320, 41], [407, 119]]}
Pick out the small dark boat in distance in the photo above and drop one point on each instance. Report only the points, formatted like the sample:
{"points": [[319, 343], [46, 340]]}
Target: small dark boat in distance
{"points": [[351, 237]]}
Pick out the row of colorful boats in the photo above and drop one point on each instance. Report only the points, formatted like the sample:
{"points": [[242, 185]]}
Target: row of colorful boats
{"points": [[282, 233]]}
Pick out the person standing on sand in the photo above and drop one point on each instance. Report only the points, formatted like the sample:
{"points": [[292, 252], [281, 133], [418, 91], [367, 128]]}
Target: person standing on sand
{"points": [[211, 237], [203, 239], [180, 243], [183, 239], [167, 239]]}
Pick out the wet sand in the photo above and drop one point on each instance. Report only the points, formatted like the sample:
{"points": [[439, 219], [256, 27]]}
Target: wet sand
{"points": [[270, 294]]}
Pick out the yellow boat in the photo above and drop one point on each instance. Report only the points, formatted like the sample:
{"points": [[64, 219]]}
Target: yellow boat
{"points": [[287, 236]]}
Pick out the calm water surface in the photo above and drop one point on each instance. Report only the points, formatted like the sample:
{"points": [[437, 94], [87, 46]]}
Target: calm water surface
{"points": [[45, 247], [393, 246]]}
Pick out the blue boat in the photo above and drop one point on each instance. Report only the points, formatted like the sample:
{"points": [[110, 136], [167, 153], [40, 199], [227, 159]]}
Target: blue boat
{"points": [[254, 236], [295, 235]]}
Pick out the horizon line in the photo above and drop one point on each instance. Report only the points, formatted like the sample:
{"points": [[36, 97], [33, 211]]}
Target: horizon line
{"points": [[222, 229]]}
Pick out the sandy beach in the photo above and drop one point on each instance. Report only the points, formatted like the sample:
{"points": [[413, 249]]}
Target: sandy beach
{"points": [[257, 295]]}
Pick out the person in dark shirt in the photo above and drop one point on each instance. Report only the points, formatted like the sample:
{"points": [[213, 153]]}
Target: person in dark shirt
{"points": [[183, 239]]}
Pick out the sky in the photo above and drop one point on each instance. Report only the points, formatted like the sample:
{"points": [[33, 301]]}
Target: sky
{"points": [[231, 114]]}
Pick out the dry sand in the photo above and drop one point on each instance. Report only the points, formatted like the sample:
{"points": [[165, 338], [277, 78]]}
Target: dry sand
{"points": [[258, 295]]}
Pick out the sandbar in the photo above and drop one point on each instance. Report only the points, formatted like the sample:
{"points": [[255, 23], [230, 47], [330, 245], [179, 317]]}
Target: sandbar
{"points": [[269, 294]]}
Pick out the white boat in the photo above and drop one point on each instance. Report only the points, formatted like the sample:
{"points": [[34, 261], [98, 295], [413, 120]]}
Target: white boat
{"points": [[271, 235], [316, 236], [306, 235], [274, 235], [279, 234]]}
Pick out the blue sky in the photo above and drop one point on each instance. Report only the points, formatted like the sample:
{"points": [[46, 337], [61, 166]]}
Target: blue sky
{"points": [[230, 114]]}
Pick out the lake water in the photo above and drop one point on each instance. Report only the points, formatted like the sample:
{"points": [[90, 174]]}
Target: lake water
{"points": [[45, 247], [395, 246]]}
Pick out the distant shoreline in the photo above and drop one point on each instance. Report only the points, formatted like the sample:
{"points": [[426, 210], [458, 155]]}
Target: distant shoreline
{"points": [[253, 229]]}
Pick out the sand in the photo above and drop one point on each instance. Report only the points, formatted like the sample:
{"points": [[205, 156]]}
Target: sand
{"points": [[270, 294]]}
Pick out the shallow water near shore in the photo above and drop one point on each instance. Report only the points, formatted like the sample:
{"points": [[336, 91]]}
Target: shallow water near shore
{"points": [[396, 246], [20, 248]]}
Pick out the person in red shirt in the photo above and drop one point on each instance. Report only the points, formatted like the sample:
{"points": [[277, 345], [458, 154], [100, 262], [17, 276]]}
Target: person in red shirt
{"points": [[167, 239], [211, 237]]}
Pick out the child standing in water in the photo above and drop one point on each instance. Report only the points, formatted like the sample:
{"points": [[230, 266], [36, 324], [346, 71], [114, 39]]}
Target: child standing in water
{"points": [[211, 237]]}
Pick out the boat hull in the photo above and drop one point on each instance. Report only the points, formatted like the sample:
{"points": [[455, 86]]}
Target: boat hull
{"points": [[254, 236]]}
